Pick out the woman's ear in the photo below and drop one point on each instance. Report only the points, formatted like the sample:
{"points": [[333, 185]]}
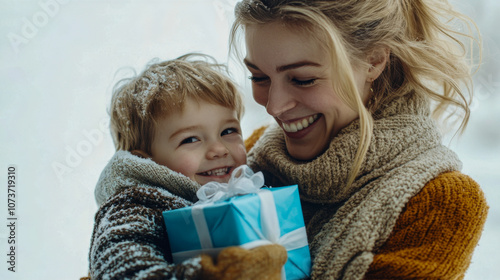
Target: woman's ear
{"points": [[378, 60], [140, 153]]}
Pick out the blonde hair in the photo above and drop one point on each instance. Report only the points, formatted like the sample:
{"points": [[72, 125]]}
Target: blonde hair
{"points": [[139, 102], [427, 56]]}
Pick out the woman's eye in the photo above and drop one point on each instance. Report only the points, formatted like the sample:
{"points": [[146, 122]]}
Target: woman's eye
{"points": [[304, 82], [258, 79], [189, 140], [229, 131]]}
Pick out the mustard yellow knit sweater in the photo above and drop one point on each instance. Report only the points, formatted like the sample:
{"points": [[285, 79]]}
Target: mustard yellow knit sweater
{"points": [[436, 234]]}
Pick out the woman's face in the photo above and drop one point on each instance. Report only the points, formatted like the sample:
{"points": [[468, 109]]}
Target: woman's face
{"points": [[293, 78]]}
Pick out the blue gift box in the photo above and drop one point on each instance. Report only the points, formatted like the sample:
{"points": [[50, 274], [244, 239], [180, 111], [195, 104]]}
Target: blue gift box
{"points": [[239, 221]]}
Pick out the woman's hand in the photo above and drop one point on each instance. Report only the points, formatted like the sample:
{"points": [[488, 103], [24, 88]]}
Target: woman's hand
{"points": [[264, 262]]}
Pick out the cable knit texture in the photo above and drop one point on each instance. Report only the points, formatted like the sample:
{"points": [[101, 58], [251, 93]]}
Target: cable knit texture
{"points": [[349, 227], [129, 239], [435, 236]]}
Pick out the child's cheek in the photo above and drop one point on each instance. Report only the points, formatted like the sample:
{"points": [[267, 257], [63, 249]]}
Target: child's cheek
{"points": [[186, 165], [241, 155]]}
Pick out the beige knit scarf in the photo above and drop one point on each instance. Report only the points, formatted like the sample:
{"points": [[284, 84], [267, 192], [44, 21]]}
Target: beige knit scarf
{"points": [[126, 170], [350, 223]]}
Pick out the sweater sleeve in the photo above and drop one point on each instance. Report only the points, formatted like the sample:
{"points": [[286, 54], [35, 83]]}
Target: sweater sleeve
{"points": [[435, 236], [129, 239]]}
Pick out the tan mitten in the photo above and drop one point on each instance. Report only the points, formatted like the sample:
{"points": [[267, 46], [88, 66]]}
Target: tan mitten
{"points": [[264, 262]]}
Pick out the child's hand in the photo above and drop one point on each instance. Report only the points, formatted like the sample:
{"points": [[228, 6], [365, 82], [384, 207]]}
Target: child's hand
{"points": [[264, 262]]}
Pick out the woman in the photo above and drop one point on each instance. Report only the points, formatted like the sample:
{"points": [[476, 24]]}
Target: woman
{"points": [[349, 84]]}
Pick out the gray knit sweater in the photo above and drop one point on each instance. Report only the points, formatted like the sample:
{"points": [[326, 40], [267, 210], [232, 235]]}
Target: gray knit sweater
{"points": [[348, 224], [129, 239]]}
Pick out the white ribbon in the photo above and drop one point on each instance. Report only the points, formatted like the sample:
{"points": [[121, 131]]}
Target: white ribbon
{"points": [[243, 181]]}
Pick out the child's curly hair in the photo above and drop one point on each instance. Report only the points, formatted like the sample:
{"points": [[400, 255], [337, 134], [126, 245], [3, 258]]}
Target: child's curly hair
{"points": [[139, 102]]}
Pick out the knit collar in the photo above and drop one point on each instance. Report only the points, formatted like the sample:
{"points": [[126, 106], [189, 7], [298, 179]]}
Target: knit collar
{"points": [[402, 130], [126, 170]]}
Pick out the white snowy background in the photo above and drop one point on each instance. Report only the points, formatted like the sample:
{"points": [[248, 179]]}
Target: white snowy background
{"points": [[58, 63]]}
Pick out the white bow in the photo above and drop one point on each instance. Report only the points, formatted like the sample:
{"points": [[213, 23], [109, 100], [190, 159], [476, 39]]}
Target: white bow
{"points": [[243, 181]]}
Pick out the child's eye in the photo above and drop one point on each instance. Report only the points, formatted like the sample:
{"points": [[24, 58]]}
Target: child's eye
{"points": [[189, 140], [229, 131], [309, 82]]}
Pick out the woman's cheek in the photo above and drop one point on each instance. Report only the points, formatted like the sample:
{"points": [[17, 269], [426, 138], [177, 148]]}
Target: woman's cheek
{"points": [[260, 95]]}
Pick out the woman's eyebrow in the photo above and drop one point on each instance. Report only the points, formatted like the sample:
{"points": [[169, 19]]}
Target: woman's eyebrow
{"points": [[250, 65], [296, 65], [285, 67]]}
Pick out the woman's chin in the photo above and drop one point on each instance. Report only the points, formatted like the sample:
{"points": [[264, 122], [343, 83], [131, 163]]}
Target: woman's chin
{"points": [[308, 146], [302, 152]]}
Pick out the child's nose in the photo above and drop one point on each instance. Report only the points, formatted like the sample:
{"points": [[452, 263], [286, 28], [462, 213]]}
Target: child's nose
{"points": [[217, 150]]}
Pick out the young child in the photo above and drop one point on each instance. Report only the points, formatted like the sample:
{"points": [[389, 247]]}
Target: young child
{"points": [[184, 116], [175, 126]]}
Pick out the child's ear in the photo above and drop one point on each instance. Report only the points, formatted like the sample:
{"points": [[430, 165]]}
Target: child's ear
{"points": [[140, 153]]}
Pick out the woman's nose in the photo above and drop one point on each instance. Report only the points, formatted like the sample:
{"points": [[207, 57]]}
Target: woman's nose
{"points": [[279, 100], [217, 149]]}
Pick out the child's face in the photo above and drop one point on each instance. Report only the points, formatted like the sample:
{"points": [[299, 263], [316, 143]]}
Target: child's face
{"points": [[203, 142]]}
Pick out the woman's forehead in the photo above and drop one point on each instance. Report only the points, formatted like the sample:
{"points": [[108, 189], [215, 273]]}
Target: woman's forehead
{"points": [[277, 45]]}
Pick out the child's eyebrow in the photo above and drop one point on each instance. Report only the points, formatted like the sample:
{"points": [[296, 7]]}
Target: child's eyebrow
{"points": [[185, 129], [232, 120]]}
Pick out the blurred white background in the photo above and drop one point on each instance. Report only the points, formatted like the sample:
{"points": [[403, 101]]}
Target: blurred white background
{"points": [[58, 61]]}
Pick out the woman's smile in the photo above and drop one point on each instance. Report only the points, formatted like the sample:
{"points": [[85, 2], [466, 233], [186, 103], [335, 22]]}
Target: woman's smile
{"points": [[298, 125]]}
